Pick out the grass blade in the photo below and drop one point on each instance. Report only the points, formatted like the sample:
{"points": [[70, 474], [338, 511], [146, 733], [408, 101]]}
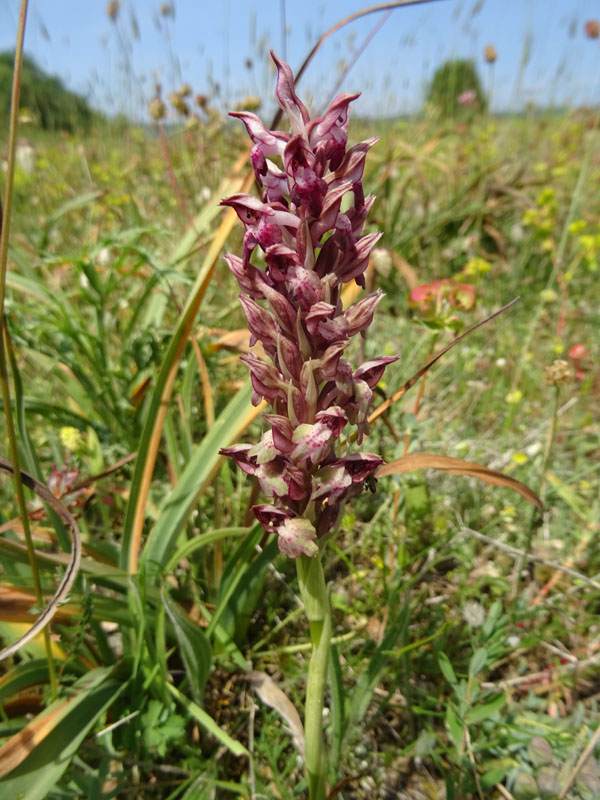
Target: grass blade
{"points": [[208, 723], [36, 757], [197, 475], [193, 644]]}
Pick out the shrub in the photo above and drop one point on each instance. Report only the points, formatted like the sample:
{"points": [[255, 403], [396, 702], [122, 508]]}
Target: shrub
{"points": [[456, 89]]}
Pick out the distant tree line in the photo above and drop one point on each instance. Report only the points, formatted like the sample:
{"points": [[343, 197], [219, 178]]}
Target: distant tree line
{"points": [[52, 105]]}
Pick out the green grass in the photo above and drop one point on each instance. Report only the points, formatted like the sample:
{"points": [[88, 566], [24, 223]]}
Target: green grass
{"points": [[435, 630]]}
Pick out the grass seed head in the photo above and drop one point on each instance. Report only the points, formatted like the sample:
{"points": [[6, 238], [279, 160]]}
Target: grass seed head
{"points": [[558, 373], [490, 54]]}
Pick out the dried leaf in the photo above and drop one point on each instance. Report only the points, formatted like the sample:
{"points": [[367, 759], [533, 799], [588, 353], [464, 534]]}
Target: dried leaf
{"points": [[16, 605], [22, 743], [272, 696], [237, 341], [457, 467]]}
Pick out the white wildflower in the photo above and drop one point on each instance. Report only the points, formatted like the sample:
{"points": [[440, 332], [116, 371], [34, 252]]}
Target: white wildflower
{"points": [[474, 614]]}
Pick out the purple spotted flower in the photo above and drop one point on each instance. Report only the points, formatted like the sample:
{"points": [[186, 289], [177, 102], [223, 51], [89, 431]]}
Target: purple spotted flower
{"points": [[307, 228]]}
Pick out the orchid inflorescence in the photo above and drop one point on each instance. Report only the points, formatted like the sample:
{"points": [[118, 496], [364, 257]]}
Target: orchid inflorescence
{"points": [[311, 249]]}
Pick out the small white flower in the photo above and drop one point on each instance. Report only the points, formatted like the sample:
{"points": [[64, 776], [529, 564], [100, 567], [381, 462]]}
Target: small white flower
{"points": [[533, 449], [513, 641], [204, 194], [517, 233], [25, 157], [500, 363], [382, 261], [104, 258], [473, 614]]}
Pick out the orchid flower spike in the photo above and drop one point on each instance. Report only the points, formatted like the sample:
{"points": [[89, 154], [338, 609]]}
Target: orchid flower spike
{"points": [[310, 248]]}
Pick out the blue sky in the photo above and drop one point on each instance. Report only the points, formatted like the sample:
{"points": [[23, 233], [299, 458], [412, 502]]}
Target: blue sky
{"points": [[543, 55]]}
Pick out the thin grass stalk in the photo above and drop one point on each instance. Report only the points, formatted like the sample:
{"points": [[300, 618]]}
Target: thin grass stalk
{"points": [[520, 564], [172, 177], [4, 383]]}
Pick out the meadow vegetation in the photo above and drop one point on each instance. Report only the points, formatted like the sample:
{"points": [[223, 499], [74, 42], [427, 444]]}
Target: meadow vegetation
{"points": [[466, 647]]}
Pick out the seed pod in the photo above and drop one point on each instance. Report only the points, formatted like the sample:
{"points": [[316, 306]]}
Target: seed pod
{"points": [[112, 10], [157, 108], [179, 104], [558, 373], [490, 53]]}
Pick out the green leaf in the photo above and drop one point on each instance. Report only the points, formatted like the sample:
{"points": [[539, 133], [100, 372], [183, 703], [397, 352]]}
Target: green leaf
{"points": [[478, 661], [22, 676], [29, 286], [161, 727], [454, 726], [338, 722], [487, 709], [494, 774], [447, 669], [208, 723], [491, 619], [195, 477], [250, 591], [72, 205], [199, 542], [236, 569], [570, 497], [35, 776], [194, 645]]}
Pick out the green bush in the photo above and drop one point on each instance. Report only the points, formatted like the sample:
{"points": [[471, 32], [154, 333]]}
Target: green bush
{"points": [[451, 81], [53, 106]]}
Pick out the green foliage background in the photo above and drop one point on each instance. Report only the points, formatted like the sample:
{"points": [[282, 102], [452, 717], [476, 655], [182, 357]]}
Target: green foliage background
{"points": [[54, 107]]}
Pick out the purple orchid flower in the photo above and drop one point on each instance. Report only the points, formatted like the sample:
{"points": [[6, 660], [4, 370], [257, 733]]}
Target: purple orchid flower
{"points": [[311, 248]]}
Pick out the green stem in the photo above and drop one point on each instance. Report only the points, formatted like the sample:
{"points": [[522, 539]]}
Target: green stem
{"points": [[545, 462], [549, 442], [313, 590]]}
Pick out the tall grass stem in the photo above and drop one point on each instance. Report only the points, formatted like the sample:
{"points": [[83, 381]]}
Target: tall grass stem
{"points": [[4, 382]]}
